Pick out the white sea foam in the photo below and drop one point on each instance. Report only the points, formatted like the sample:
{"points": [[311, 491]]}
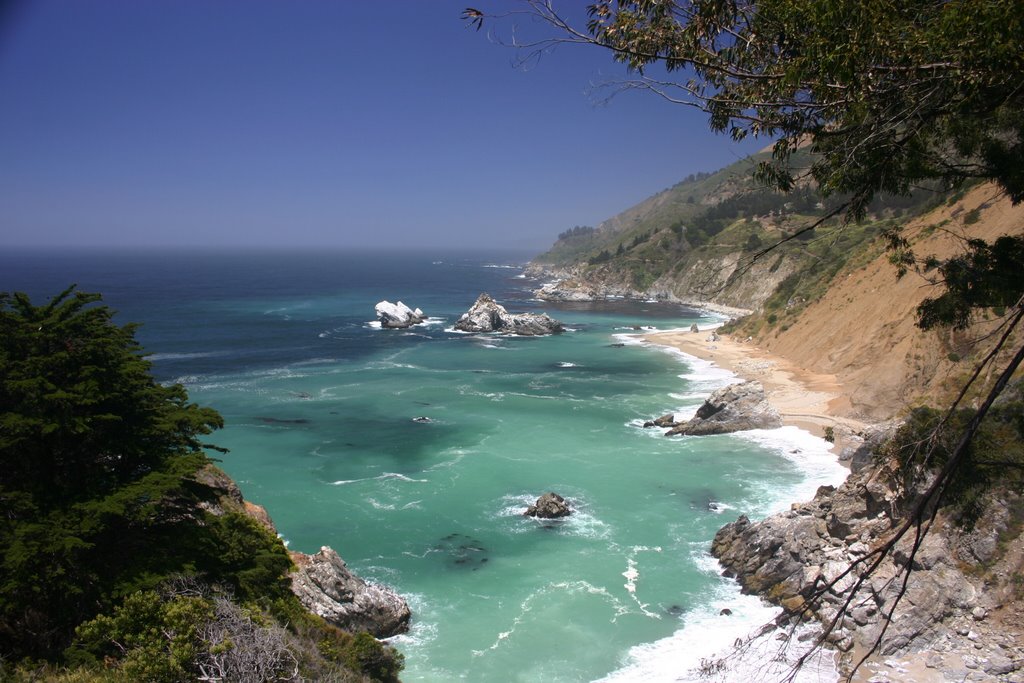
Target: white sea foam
{"points": [[808, 452], [380, 477], [566, 364], [185, 356], [543, 595], [632, 574], [709, 639], [582, 522], [732, 648], [720, 507]]}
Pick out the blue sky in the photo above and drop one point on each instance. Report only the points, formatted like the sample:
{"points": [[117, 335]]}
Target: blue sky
{"points": [[315, 123]]}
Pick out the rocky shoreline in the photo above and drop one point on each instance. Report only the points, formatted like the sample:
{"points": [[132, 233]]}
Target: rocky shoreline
{"points": [[959, 618], [321, 581], [565, 285], [953, 621]]}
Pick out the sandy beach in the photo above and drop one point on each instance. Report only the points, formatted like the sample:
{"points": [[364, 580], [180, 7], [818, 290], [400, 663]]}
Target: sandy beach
{"points": [[805, 399]]}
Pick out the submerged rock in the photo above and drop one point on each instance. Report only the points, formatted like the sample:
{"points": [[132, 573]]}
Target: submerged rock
{"points": [[462, 552], [326, 587], [549, 506], [398, 315], [487, 315], [735, 408]]}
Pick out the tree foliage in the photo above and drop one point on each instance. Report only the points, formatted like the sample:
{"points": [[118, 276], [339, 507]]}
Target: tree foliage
{"points": [[109, 507], [99, 496], [886, 96], [886, 93], [79, 410], [994, 457]]}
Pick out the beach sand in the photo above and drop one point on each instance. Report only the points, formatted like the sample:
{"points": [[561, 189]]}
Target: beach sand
{"points": [[805, 399], [812, 402]]}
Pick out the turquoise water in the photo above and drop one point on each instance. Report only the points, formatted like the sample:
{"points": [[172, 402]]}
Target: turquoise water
{"points": [[320, 409]]}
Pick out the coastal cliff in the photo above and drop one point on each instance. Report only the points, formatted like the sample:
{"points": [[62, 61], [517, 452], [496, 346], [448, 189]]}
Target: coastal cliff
{"points": [[958, 610], [842, 333], [322, 581]]}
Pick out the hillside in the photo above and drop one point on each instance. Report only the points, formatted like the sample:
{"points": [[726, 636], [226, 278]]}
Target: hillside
{"points": [[884, 362], [696, 241], [831, 331], [823, 286]]}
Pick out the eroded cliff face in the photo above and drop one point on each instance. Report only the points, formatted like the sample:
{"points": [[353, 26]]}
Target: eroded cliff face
{"points": [[326, 587], [863, 330], [727, 280]]}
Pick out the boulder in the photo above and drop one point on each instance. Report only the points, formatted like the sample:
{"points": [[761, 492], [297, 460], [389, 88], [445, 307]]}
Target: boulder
{"points": [[735, 408], [487, 315], [549, 506], [398, 315], [326, 587], [664, 421]]}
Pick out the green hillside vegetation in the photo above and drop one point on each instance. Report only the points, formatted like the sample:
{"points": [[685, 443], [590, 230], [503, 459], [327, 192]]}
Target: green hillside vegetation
{"points": [[673, 206], [712, 215], [124, 556]]}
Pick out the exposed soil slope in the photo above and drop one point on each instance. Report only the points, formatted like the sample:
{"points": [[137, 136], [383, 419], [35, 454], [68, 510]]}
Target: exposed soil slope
{"points": [[862, 331]]}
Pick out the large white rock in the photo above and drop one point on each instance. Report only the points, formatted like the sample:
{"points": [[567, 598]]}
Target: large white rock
{"points": [[326, 587], [398, 315], [487, 315]]}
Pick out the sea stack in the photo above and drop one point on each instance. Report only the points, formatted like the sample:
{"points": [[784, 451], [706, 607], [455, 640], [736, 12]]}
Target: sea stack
{"points": [[398, 315], [487, 315]]}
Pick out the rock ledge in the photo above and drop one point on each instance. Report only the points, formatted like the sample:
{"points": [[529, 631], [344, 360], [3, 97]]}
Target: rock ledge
{"points": [[326, 587]]}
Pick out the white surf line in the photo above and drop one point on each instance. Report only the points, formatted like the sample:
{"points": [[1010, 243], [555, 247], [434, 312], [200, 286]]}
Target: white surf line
{"points": [[632, 574]]}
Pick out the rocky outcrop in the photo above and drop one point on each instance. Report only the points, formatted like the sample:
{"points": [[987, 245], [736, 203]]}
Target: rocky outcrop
{"points": [[322, 582], [398, 315], [697, 277], [326, 587], [487, 315], [803, 552], [665, 421], [569, 290], [735, 408], [549, 506], [859, 449]]}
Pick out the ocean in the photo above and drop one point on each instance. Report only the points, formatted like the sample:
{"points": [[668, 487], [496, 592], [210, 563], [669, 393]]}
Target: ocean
{"points": [[321, 409]]}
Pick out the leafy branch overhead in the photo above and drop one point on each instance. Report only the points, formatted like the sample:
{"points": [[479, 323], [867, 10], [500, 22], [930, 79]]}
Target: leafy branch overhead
{"points": [[886, 94]]}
